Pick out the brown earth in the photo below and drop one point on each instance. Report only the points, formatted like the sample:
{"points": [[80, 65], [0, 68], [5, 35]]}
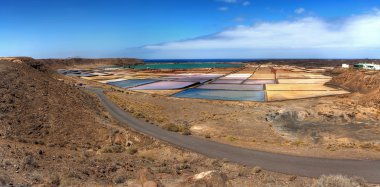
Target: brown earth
{"points": [[54, 134]]}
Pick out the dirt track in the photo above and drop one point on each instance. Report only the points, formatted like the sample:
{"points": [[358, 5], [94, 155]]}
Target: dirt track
{"points": [[303, 166]]}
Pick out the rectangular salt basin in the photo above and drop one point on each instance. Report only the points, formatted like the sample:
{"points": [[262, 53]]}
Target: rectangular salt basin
{"points": [[196, 75], [206, 76], [87, 75], [101, 74], [313, 76], [102, 78], [232, 87], [260, 81], [112, 80], [175, 77], [192, 80], [262, 76], [263, 71], [131, 82], [230, 95], [164, 85], [303, 81], [239, 75], [296, 87], [159, 92], [291, 76], [228, 81], [233, 78], [286, 95]]}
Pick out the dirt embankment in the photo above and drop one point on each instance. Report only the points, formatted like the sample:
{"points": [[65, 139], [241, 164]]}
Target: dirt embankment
{"points": [[365, 83], [37, 108], [83, 62]]}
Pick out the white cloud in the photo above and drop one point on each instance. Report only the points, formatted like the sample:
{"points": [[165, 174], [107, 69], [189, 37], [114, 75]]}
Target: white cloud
{"points": [[224, 8], [299, 10], [246, 3], [356, 36]]}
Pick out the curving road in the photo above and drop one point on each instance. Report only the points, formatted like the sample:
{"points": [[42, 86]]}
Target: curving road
{"points": [[294, 165]]}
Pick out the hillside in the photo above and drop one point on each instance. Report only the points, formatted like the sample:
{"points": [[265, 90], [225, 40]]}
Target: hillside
{"points": [[366, 84], [62, 63], [36, 107]]}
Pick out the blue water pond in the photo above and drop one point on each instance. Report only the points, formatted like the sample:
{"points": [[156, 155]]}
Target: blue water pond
{"points": [[231, 95]]}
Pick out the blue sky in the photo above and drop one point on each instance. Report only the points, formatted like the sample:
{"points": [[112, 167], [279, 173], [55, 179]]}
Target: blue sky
{"points": [[190, 28]]}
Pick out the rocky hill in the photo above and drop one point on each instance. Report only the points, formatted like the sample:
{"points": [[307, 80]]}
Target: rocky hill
{"points": [[35, 107], [365, 83]]}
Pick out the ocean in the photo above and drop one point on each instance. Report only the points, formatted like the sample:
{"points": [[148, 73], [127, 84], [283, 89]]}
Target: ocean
{"points": [[197, 60]]}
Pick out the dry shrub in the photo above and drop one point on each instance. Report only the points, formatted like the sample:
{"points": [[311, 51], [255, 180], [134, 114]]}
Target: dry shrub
{"points": [[149, 155], [113, 149], [4, 179], [184, 130], [132, 150], [207, 135], [256, 169], [171, 127], [55, 180], [29, 161], [177, 128], [339, 181], [119, 179]]}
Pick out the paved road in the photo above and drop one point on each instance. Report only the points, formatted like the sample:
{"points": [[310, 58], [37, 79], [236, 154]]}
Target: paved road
{"points": [[294, 165]]}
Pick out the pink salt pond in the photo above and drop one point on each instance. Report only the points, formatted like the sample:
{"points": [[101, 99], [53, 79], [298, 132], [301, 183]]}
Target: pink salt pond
{"points": [[232, 87], [228, 81], [164, 85], [260, 81]]}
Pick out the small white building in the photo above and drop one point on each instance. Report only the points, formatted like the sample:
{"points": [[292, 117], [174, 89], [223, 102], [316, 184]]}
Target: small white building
{"points": [[345, 66]]}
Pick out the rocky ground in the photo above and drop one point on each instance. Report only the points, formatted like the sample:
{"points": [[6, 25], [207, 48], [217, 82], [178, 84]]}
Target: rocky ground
{"points": [[54, 134]]}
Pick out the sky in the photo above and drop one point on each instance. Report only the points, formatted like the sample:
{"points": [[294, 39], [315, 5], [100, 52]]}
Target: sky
{"points": [[169, 29]]}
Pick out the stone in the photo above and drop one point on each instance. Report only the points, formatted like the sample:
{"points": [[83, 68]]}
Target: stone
{"points": [[210, 179], [301, 115]]}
